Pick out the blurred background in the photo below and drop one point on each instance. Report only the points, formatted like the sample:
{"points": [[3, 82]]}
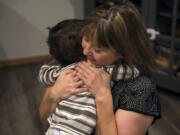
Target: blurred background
{"points": [[23, 50]]}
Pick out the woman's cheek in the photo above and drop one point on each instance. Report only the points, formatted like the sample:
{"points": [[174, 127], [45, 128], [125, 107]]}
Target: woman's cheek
{"points": [[100, 60], [82, 44]]}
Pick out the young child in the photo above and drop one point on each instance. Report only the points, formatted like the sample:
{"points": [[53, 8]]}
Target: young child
{"points": [[77, 114]]}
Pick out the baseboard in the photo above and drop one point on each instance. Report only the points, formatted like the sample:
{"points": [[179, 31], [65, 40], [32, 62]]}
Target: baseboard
{"points": [[22, 61]]}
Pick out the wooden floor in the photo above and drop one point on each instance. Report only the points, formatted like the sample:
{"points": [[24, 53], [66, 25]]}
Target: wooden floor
{"points": [[169, 124], [21, 93], [20, 96]]}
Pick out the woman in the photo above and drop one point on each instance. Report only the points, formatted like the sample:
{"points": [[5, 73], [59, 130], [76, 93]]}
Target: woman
{"points": [[112, 34]]}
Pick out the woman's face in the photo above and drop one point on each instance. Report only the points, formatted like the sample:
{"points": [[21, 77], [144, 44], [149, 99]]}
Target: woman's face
{"points": [[98, 56]]}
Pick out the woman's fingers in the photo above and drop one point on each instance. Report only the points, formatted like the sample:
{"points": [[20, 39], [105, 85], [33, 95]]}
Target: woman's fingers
{"points": [[76, 78], [86, 67], [67, 71], [78, 87], [79, 90], [84, 70], [81, 74], [78, 83]]}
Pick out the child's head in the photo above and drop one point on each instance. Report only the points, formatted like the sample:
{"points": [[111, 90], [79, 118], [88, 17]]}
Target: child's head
{"points": [[119, 26], [64, 41]]}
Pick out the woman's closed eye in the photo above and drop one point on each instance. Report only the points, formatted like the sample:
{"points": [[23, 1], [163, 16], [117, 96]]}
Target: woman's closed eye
{"points": [[86, 39], [98, 50]]}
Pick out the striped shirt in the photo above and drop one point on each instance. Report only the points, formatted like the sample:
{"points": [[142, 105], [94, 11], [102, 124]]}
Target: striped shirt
{"points": [[77, 114]]}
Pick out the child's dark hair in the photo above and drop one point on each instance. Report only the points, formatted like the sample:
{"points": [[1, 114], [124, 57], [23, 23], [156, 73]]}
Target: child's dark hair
{"points": [[64, 41]]}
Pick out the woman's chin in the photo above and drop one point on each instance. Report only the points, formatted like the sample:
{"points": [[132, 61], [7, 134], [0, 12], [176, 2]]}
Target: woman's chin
{"points": [[90, 61]]}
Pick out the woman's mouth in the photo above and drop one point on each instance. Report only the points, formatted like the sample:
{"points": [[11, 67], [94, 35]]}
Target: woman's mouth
{"points": [[92, 61]]}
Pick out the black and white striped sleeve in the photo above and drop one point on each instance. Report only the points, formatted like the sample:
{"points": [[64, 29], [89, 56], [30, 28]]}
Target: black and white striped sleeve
{"points": [[49, 73]]}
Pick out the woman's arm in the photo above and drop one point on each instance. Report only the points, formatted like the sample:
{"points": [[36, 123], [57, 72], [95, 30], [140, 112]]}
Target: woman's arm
{"points": [[122, 122], [98, 82], [66, 85], [129, 122], [106, 124], [47, 106]]}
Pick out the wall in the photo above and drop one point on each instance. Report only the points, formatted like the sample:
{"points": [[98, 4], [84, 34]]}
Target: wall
{"points": [[23, 24]]}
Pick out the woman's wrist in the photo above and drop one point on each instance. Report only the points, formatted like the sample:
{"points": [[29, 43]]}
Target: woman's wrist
{"points": [[106, 119], [102, 98], [52, 95]]}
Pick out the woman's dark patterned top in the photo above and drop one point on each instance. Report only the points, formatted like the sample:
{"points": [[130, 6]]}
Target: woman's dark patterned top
{"points": [[138, 95]]}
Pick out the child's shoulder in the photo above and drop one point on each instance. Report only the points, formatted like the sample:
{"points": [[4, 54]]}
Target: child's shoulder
{"points": [[71, 66], [53, 62]]}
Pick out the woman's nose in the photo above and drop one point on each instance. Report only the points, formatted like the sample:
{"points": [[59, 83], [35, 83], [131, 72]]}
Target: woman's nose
{"points": [[86, 50]]}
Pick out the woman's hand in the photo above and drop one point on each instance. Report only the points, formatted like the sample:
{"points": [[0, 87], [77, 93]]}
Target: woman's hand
{"points": [[96, 79], [67, 84]]}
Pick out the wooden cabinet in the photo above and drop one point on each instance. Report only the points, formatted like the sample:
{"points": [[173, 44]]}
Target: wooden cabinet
{"points": [[164, 16]]}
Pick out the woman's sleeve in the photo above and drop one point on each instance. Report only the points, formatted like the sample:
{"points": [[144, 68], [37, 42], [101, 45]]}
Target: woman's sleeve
{"points": [[138, 95]]}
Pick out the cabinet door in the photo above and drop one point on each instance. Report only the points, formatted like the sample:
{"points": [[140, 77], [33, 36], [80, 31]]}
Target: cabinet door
{"points": [[166, 20]]}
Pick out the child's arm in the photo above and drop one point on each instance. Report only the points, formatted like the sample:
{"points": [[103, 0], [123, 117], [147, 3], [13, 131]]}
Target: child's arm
{"points": [[122, 72], [48, 74]]}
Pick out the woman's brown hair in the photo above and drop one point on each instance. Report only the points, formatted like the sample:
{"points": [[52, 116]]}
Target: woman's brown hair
{"points": [[120, 27]]}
